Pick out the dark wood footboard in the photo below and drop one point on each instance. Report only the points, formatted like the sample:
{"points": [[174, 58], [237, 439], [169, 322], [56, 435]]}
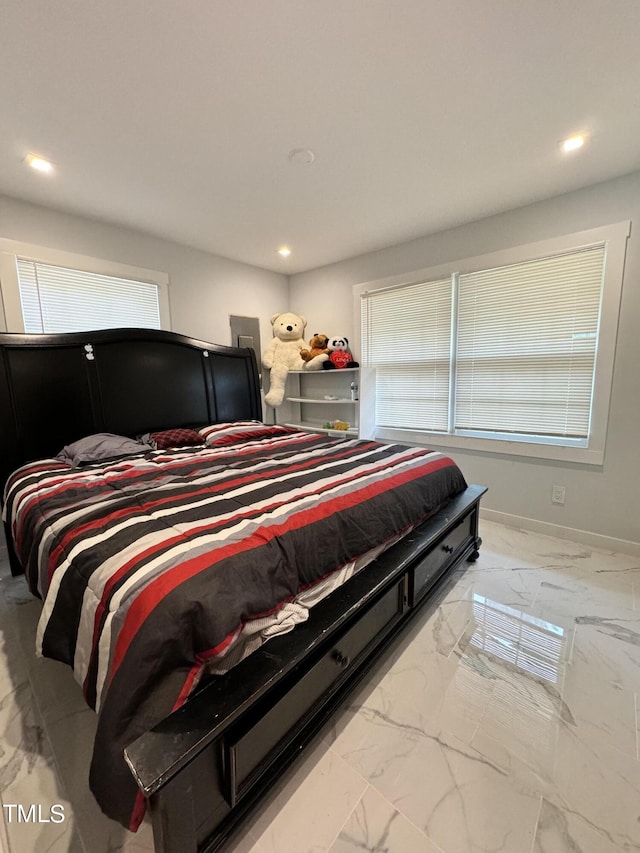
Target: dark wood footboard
{"points": [[205, 767]]}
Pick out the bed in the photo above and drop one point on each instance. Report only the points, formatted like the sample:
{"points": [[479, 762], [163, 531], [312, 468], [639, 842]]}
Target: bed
{"points": [[156, 567]]}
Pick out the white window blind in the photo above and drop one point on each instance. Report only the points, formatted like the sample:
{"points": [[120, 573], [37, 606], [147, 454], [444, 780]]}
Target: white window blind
{"points": [[58, 299], [406, 334], [526, 346], [507, 352]]}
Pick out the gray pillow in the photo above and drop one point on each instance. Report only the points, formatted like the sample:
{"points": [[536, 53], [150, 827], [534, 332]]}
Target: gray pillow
{"points": [[99, 447]]}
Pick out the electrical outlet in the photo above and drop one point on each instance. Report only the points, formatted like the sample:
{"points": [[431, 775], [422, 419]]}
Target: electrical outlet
{"points": [[557, 495]]}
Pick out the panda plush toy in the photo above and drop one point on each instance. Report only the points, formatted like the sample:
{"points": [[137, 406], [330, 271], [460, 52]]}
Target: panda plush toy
{"points": [[339, 354]]}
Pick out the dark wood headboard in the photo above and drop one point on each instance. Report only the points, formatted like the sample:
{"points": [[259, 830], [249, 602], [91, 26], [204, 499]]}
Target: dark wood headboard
{"points": [[55, 389]]}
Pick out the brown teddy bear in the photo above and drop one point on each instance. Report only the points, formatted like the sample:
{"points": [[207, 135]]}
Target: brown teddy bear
{"points": [[317, 354]]}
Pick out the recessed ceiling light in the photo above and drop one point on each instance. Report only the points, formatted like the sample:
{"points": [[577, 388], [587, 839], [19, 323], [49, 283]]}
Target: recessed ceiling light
{"points": [[573, 142], [38, 163], [285, 251]]}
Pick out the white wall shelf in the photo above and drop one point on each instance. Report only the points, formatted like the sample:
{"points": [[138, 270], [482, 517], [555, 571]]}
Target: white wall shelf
{"points": [[321, 400], [352, 432], [306, 406]]}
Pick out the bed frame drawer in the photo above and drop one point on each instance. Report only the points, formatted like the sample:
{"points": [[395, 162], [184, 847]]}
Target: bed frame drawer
{"points": [[251, 748], [427, 572]]}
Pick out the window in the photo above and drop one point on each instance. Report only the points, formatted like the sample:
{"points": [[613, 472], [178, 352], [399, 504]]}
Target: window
{"points": [[515, 348], [57, 299], [406, 336], [47, 291]]}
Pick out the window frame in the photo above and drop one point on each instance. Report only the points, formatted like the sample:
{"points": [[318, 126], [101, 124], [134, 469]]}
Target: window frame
{"points": [[10, 302], [615, 238]]}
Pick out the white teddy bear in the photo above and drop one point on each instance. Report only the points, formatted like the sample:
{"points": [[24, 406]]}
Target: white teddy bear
{"points": [[283, 353]]}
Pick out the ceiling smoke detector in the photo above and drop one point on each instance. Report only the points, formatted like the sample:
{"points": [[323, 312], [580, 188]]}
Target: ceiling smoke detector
{"points": [[301, 157]]}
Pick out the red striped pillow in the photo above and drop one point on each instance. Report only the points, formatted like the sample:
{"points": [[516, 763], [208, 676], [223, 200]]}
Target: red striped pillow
{"points": [[228, 433]]}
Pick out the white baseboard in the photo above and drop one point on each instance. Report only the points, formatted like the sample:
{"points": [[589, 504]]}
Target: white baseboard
{"points": [[595, 540]]}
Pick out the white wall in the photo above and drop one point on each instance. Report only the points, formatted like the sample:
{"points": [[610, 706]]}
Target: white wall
{"points": [[600, 500], [204, 289]]}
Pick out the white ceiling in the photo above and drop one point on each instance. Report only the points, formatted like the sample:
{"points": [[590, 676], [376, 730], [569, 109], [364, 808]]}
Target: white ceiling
{"points": [[177, 116]]}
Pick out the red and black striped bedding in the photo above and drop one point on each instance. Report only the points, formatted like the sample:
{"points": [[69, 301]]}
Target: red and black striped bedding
{"points": [[148, 566]]}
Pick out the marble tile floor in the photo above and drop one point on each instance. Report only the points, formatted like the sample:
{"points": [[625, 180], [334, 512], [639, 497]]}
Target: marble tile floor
{"points": [[506, 721]]}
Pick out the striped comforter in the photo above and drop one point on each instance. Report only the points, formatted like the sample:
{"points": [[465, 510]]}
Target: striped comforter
{"points": [[148, 566]]}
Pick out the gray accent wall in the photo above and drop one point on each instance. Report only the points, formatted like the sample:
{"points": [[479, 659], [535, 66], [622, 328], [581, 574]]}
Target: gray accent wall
{"points": [[602, 503]]}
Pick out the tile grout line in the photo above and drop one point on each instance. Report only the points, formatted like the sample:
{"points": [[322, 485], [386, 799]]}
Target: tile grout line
{"points": [[535, 826], [372, 787], [349, 816], [569, 660], [535, 595], [635, 708]]}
